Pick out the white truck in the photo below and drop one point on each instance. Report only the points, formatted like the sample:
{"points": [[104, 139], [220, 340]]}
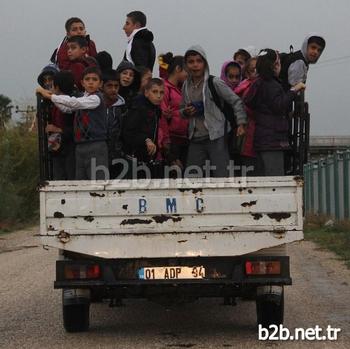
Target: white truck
{"points": [[172, 240]]}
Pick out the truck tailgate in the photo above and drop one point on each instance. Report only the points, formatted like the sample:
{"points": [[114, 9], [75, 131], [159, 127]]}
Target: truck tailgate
{"points": [[171, 218]]}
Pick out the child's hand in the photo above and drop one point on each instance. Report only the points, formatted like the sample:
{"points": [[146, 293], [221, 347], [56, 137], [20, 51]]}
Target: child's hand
{"points": [[168, 113], [52, 128], [45, 93], [178, 163], [190, 110], [299, 87], [151, 147], [240, 130]]}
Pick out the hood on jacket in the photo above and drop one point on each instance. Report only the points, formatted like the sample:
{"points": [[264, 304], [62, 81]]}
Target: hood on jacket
{"points": [[137, 78], [306, 42], [224, 68], [123, 65], [144, 34], [50, 69], [199, 49], [119, 102]]}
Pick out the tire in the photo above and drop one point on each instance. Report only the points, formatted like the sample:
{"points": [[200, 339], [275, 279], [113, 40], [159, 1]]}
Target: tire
{"points": [[270, 310], [76, 317]]}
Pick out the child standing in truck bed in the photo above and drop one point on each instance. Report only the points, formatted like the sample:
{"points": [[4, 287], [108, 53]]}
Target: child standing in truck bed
{"points": [[140, 131], [90, 126]]}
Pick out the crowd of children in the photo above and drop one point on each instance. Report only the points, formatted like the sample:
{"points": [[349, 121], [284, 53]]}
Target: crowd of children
{"points": [[108, 123]]}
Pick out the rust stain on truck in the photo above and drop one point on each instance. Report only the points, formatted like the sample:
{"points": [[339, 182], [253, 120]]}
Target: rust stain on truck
{"points": [[97, 195], [133, 221], [249, 204], [63, 236], [257, 216], [278, 216], [164, 218], [89, 218]]}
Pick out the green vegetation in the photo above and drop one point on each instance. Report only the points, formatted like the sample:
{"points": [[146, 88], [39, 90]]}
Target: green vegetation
{"points": [[335, 238], [19, 177], [5, 110]]}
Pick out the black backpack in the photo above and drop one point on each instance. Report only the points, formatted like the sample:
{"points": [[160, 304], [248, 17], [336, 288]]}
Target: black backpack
{"points": [[225, 107], [286, 60], [234, 143]]}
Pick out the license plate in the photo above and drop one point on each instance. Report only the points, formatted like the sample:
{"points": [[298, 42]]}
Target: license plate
{"points": [[171, 273]]}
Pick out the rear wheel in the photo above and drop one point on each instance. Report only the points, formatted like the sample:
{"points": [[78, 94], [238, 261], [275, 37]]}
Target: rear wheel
{"points": [[270, 309], [76, 317]]}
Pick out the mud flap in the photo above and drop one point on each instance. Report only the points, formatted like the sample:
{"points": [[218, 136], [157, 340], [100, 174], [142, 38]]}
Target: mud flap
{"points": [[270, 293], [75, 296]]}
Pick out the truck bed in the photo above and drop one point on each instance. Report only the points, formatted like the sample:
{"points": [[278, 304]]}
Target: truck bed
{"points": [[171, 218]]}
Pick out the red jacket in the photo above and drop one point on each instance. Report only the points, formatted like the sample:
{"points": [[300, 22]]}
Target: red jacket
{"points": [[177, 127], [248, 148], [62, 59], [77, 68]]}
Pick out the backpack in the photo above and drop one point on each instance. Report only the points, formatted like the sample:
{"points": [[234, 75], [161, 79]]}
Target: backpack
{"points": [[225, 107], [234, 143], [286, 60]]}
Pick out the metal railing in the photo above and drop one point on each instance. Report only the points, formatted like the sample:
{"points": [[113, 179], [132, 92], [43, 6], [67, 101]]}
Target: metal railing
{"points": [[326, 189]]}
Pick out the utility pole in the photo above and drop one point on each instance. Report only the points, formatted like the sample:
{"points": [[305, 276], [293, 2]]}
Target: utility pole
{"points": [[29, 114]]}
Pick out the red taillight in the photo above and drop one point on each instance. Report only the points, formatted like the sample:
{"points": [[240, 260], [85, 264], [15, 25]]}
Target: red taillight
{"points": [[93, 272], [76, 271], [263, 267]]}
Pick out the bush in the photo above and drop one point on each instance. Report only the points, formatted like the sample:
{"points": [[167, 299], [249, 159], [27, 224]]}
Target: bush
{"points": [[19, 176]]}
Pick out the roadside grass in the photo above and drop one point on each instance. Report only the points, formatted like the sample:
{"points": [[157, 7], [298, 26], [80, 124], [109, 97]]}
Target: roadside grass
{"points": [[335, 237], [19, 176], [6, 228]]}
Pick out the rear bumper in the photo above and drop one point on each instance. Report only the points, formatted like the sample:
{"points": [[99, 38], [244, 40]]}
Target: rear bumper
{"points": [[221, 272]]}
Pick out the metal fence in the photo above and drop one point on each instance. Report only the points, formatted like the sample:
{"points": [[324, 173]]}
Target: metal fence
{"points": [[326, 189]]}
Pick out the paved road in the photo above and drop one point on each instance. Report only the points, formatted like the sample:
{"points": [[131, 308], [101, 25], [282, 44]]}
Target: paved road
{"points": [[30, 310]]}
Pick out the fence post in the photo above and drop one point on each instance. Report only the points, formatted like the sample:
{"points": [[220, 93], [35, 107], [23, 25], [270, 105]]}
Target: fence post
{"points": [[336, 184], [346, 178], [312, 189], [307, 187], [328, 186], [320, 186]]}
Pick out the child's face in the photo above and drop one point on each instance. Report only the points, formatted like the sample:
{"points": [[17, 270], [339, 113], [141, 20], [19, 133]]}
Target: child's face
{"points": [[74, 51], [76, 28], [145, 79], [91, 83], [313, 52], [277, 67], [48, 82], [240, 60], [155, 94], [127, 77], [110, 90], [130, 26], [251, 70], [181, 74], [196, 66], [233, 75]]}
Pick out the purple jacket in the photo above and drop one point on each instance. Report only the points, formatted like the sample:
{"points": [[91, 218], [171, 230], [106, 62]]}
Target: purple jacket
{"points": [[270, 104]]}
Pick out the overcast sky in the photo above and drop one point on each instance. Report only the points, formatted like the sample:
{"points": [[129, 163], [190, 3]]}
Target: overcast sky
{"points": [[30, 30]]}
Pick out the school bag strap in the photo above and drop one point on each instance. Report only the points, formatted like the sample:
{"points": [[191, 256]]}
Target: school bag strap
{"points": [[214, 93], [224, 107]]}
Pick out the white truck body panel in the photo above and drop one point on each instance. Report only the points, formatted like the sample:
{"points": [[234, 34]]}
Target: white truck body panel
{"points": [[171, 218]]}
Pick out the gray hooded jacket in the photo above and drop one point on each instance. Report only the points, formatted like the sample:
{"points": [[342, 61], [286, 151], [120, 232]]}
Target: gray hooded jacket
{"points": [[214, 119], [297, 71]]}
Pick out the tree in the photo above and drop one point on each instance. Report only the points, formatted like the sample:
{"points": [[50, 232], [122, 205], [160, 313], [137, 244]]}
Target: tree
{"points": [[5, 110]]}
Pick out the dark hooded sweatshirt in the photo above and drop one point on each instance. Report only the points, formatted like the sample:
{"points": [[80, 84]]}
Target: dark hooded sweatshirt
{"points": [[270, 105], [140, 123], [130, 92], [143, 52]]}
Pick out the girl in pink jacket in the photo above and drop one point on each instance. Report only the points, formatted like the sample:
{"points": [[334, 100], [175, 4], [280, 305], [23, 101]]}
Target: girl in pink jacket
{"points": [[173, 129]]}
